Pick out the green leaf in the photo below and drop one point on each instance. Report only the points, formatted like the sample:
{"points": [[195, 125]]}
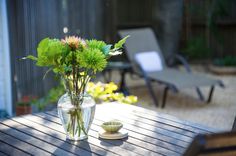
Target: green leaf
{"points": [[121, 42], [43, 46], [55, 48], [43, 61], [58, 70], [31, 57], [50, 52], [68, 69], [106, 49]]}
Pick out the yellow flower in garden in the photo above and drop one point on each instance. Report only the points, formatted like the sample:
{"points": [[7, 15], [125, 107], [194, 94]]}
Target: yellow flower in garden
{"points": [[130, 99], [105, 92], [117, 96], [111, 87], [91, 85]]}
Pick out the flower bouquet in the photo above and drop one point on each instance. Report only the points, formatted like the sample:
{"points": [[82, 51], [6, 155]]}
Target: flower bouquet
{"points": [[76, 60]]}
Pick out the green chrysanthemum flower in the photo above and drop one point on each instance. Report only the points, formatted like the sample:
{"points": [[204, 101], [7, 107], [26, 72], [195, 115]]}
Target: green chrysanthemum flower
{"points": [[92, 59], [95, 44]]}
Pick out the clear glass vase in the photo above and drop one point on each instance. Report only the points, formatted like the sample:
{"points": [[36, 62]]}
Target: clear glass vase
{"points": [[76, 119]]}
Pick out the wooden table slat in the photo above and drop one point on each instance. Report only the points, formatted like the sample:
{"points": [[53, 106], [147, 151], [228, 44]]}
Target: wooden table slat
{"points": [[147, 129], [156, 117], [94, 134], [146, 112], [188, 127], [95, 128], [4, 154], [136, 132], [47, 138], [26, 147], [150, 133], [61, 136], [10, 150], [139, 137], [145, 145], [143, 121], [92, 140], [34, 141], [147, 133], [132, 130], [150, 124]]}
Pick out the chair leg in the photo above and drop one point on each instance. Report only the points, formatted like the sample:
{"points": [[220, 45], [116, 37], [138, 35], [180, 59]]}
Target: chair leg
{"points": [[201, 97], [210, 94], [164, 97], [107, 76], [234, 125], [151, 91], [123, 86]]}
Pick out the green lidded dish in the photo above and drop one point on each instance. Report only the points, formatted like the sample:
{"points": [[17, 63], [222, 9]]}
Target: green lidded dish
{"points": [[112, 126]]}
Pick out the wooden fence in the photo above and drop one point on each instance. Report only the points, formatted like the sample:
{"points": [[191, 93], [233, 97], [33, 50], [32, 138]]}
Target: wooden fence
{"points": [[222, 32]]}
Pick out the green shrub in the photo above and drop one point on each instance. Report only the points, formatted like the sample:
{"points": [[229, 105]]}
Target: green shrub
{"points": [[226, 61], [196, 48]]}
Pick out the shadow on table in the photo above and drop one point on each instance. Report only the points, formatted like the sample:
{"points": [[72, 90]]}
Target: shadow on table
{"points": [[111, 143], [75, 147]]}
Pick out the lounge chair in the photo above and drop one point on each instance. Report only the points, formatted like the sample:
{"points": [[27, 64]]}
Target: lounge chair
{"points": [[147, 60], [223, 144]]}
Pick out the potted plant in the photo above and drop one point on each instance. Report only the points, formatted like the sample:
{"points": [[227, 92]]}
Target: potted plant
{"points": [[75, 60], [224, 66], [24, 105]]}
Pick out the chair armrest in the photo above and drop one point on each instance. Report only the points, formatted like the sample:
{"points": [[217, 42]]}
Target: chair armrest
{"points": [[182, 60]]}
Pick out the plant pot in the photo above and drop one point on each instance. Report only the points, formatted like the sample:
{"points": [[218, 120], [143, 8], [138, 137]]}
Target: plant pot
{"points": [[21, 110], [76, 119], [222, 70]]}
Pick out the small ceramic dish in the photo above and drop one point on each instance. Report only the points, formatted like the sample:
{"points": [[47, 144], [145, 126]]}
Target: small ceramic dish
{"points": [[112, 126]]}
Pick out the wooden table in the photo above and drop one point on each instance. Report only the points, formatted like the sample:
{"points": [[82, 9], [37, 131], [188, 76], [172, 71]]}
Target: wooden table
{"points": [[150, 133]]}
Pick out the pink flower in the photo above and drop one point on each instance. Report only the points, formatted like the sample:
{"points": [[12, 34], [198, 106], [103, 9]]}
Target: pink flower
{"points": [[28, 98], [74, 42]]}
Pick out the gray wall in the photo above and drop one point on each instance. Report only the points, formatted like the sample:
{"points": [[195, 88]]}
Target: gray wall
{"points": [[2, 80], [5, 77]]}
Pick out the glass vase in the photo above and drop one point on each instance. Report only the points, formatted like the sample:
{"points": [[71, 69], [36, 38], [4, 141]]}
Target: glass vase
{"points": [[76, 119]]}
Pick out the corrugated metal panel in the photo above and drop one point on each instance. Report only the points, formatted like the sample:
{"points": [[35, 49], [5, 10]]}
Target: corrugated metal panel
{"points": [[32, 20]]}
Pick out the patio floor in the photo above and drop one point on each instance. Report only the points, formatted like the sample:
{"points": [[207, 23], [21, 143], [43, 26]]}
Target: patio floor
{"points": [[220, 113]]}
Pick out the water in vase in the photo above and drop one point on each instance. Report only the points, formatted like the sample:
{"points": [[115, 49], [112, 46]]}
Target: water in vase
{"points": [[76, 121]]}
